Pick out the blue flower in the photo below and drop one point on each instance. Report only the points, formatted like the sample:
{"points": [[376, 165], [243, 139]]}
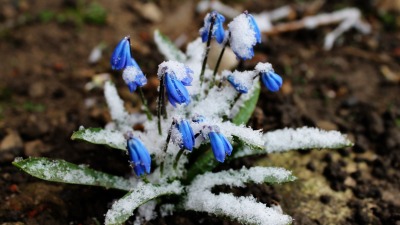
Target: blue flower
{"points": [[237, 85], [219, 145], [121, 57], [254, 27], [218, 31], [271, 80], [245, 34], [133, 76], [176, 91], [175, 77], [187, 135], [140, 157]]}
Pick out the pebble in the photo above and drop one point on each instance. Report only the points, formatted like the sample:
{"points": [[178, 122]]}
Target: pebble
{"points": [[149, 11], [37, 90], [11, 146]]}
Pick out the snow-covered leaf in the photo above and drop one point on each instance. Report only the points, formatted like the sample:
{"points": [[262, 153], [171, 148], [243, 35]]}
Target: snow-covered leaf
{"points": [[122, 209], [243, 209], [247, 109], [167, 48], [61, 171], [304, 138], [113, 139]]}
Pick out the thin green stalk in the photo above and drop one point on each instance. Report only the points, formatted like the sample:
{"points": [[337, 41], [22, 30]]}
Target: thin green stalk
{"points": [[220, 58], [178, 156], [203, 67], [146, 106], [160, 104], [166, 147]]}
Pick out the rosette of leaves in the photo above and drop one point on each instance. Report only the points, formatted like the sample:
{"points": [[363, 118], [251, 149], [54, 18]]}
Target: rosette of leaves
{"points": [[192, 182]]}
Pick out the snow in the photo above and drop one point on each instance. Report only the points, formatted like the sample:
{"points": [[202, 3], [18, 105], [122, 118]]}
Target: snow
{"points": [[242, 36], [263, 67], [303, 138], [61, 171], [216, 104], [244, 78], [244, 209], [173, 67], [114, 102], [129, 74], [108, 137], [124, 207]]}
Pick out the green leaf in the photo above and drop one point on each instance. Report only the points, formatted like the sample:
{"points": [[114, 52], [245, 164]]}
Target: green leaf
{"points": [[248, 107], [122, 209], [65, 172], [113, 139], [167, 48], [206, 162]]}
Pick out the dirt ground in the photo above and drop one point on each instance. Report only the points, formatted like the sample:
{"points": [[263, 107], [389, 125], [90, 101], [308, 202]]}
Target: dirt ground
{"points": [[354, 88]]}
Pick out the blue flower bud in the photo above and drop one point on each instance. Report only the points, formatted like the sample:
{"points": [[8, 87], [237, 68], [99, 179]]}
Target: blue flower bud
{"points": [[218, 31], [245, 34], [139, 156], [254, 27], [134, 77], [219, 145], [121, 56], [187, 135], [176, 91], [237, 85], [271, 80]]}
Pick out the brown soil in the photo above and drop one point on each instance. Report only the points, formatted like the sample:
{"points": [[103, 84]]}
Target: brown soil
{"points": [[44, 46]]}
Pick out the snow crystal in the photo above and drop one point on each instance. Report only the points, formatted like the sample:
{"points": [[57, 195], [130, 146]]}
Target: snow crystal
{"points": [[303, 138], [243, 209], [123, 208], [242, 36]]}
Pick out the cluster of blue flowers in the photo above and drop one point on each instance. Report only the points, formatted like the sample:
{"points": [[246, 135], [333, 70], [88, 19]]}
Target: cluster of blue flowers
{"points": [[242, 36], [121, 59]]}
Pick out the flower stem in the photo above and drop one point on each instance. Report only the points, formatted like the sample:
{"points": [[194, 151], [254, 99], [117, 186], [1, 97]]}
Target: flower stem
{"points": [[160, 104], [178, 156], [146, 106], [203, 67], [166, 146], [220, 56]]}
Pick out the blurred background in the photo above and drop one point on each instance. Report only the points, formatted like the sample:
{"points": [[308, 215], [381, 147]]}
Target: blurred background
{"points": [[54, 55]]}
